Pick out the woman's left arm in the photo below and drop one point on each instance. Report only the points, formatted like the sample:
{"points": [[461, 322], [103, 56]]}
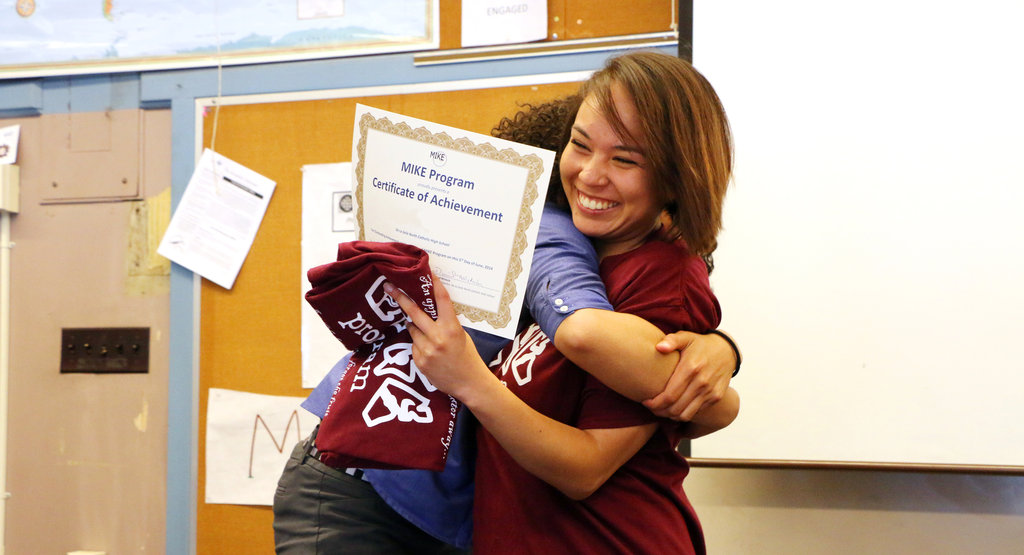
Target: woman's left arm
{"points": [[575, 461], [567, 298], [616, 348], [619, 349]]}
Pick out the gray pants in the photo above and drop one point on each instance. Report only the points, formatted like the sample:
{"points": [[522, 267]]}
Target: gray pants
{"points": [[323, 510]]}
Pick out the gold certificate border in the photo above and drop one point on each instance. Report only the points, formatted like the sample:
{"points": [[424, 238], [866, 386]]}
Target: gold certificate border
{"points": [[531, 162]]}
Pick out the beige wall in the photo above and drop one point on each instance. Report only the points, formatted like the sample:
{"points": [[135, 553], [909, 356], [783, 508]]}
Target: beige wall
{"points": [[854, 512], [86, 453]]}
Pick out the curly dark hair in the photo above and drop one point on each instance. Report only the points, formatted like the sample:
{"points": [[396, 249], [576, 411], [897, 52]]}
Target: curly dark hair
{"points": [[546, 125]]}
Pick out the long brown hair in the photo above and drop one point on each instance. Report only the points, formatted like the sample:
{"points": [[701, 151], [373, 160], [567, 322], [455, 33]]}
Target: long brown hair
{"points": [[685, 135]]}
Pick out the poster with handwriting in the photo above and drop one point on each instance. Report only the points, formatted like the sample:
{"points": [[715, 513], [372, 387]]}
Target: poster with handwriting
{"points": [[249, 438]]}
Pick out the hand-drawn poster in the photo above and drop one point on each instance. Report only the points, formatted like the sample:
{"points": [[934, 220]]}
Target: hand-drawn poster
{"points": [[249, 438]]}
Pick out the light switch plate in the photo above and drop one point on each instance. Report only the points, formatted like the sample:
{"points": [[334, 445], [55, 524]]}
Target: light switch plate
{"points": [[104, 350]]}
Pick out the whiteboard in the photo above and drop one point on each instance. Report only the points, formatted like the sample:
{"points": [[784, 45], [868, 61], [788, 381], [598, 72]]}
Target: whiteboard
{"points": [[871, 265]]}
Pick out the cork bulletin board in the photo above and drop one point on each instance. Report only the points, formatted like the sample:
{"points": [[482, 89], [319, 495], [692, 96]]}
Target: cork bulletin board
{"points": [[249, 337]]}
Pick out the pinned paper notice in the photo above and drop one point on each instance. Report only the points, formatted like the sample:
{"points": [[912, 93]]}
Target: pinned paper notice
{"points": [[486, 22], [216, 221], [9, 144], [328, 218]]}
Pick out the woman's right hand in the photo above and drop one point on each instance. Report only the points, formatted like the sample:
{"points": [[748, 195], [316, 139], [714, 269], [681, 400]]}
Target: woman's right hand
{"points": [[700, 379], [441, 349]]}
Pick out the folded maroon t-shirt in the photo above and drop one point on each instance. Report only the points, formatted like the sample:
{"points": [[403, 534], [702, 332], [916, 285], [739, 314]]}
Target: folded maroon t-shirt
{"points": [[384, 413]]}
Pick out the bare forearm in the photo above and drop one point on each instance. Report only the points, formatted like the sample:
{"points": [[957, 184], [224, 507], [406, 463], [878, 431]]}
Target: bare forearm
{"points": [[617, 349], [715, 416]]}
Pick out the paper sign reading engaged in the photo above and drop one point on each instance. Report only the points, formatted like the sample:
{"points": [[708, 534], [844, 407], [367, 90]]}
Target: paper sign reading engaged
{"points": [[486, 22], [217, 219], [471, 201]]}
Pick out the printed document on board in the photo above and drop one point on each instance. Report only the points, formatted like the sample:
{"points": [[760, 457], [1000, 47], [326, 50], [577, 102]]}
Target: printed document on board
{"points": [[216, 221], [9, 144], [328, 218]]}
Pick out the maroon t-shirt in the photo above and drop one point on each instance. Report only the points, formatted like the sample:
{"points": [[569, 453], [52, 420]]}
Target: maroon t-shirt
{"points": [[383, 413], [642, 508]]}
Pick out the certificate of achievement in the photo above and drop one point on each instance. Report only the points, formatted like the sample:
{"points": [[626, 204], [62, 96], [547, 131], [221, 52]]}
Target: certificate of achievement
{"points": [[471, 201]]}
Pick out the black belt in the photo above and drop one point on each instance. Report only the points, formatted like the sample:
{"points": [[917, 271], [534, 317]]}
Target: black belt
{"points": [[312, 452]]}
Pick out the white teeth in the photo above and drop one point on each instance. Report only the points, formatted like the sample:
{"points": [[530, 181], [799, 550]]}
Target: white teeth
{"points": [[593, 203]]}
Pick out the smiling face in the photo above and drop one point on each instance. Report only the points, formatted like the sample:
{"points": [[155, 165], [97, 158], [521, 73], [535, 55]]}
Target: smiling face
{"points": [[607, 179]]}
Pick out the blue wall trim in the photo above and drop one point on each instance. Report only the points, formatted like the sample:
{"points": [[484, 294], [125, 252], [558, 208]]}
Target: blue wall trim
{"points": [[21, 98], [183, 379]]}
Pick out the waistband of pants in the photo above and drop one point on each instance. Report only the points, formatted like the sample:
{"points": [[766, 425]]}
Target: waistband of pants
{"points": [[311, 451]]}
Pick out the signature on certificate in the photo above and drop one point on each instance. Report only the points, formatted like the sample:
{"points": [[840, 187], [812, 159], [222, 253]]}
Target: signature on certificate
{"points": [[463, 279]]}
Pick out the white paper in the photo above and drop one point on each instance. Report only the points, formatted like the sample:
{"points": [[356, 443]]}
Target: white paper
{"points": [[216, 221], [328, 218], [9, 144], [314, 9], [487, 22], [248, 440], [471, 201]]}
